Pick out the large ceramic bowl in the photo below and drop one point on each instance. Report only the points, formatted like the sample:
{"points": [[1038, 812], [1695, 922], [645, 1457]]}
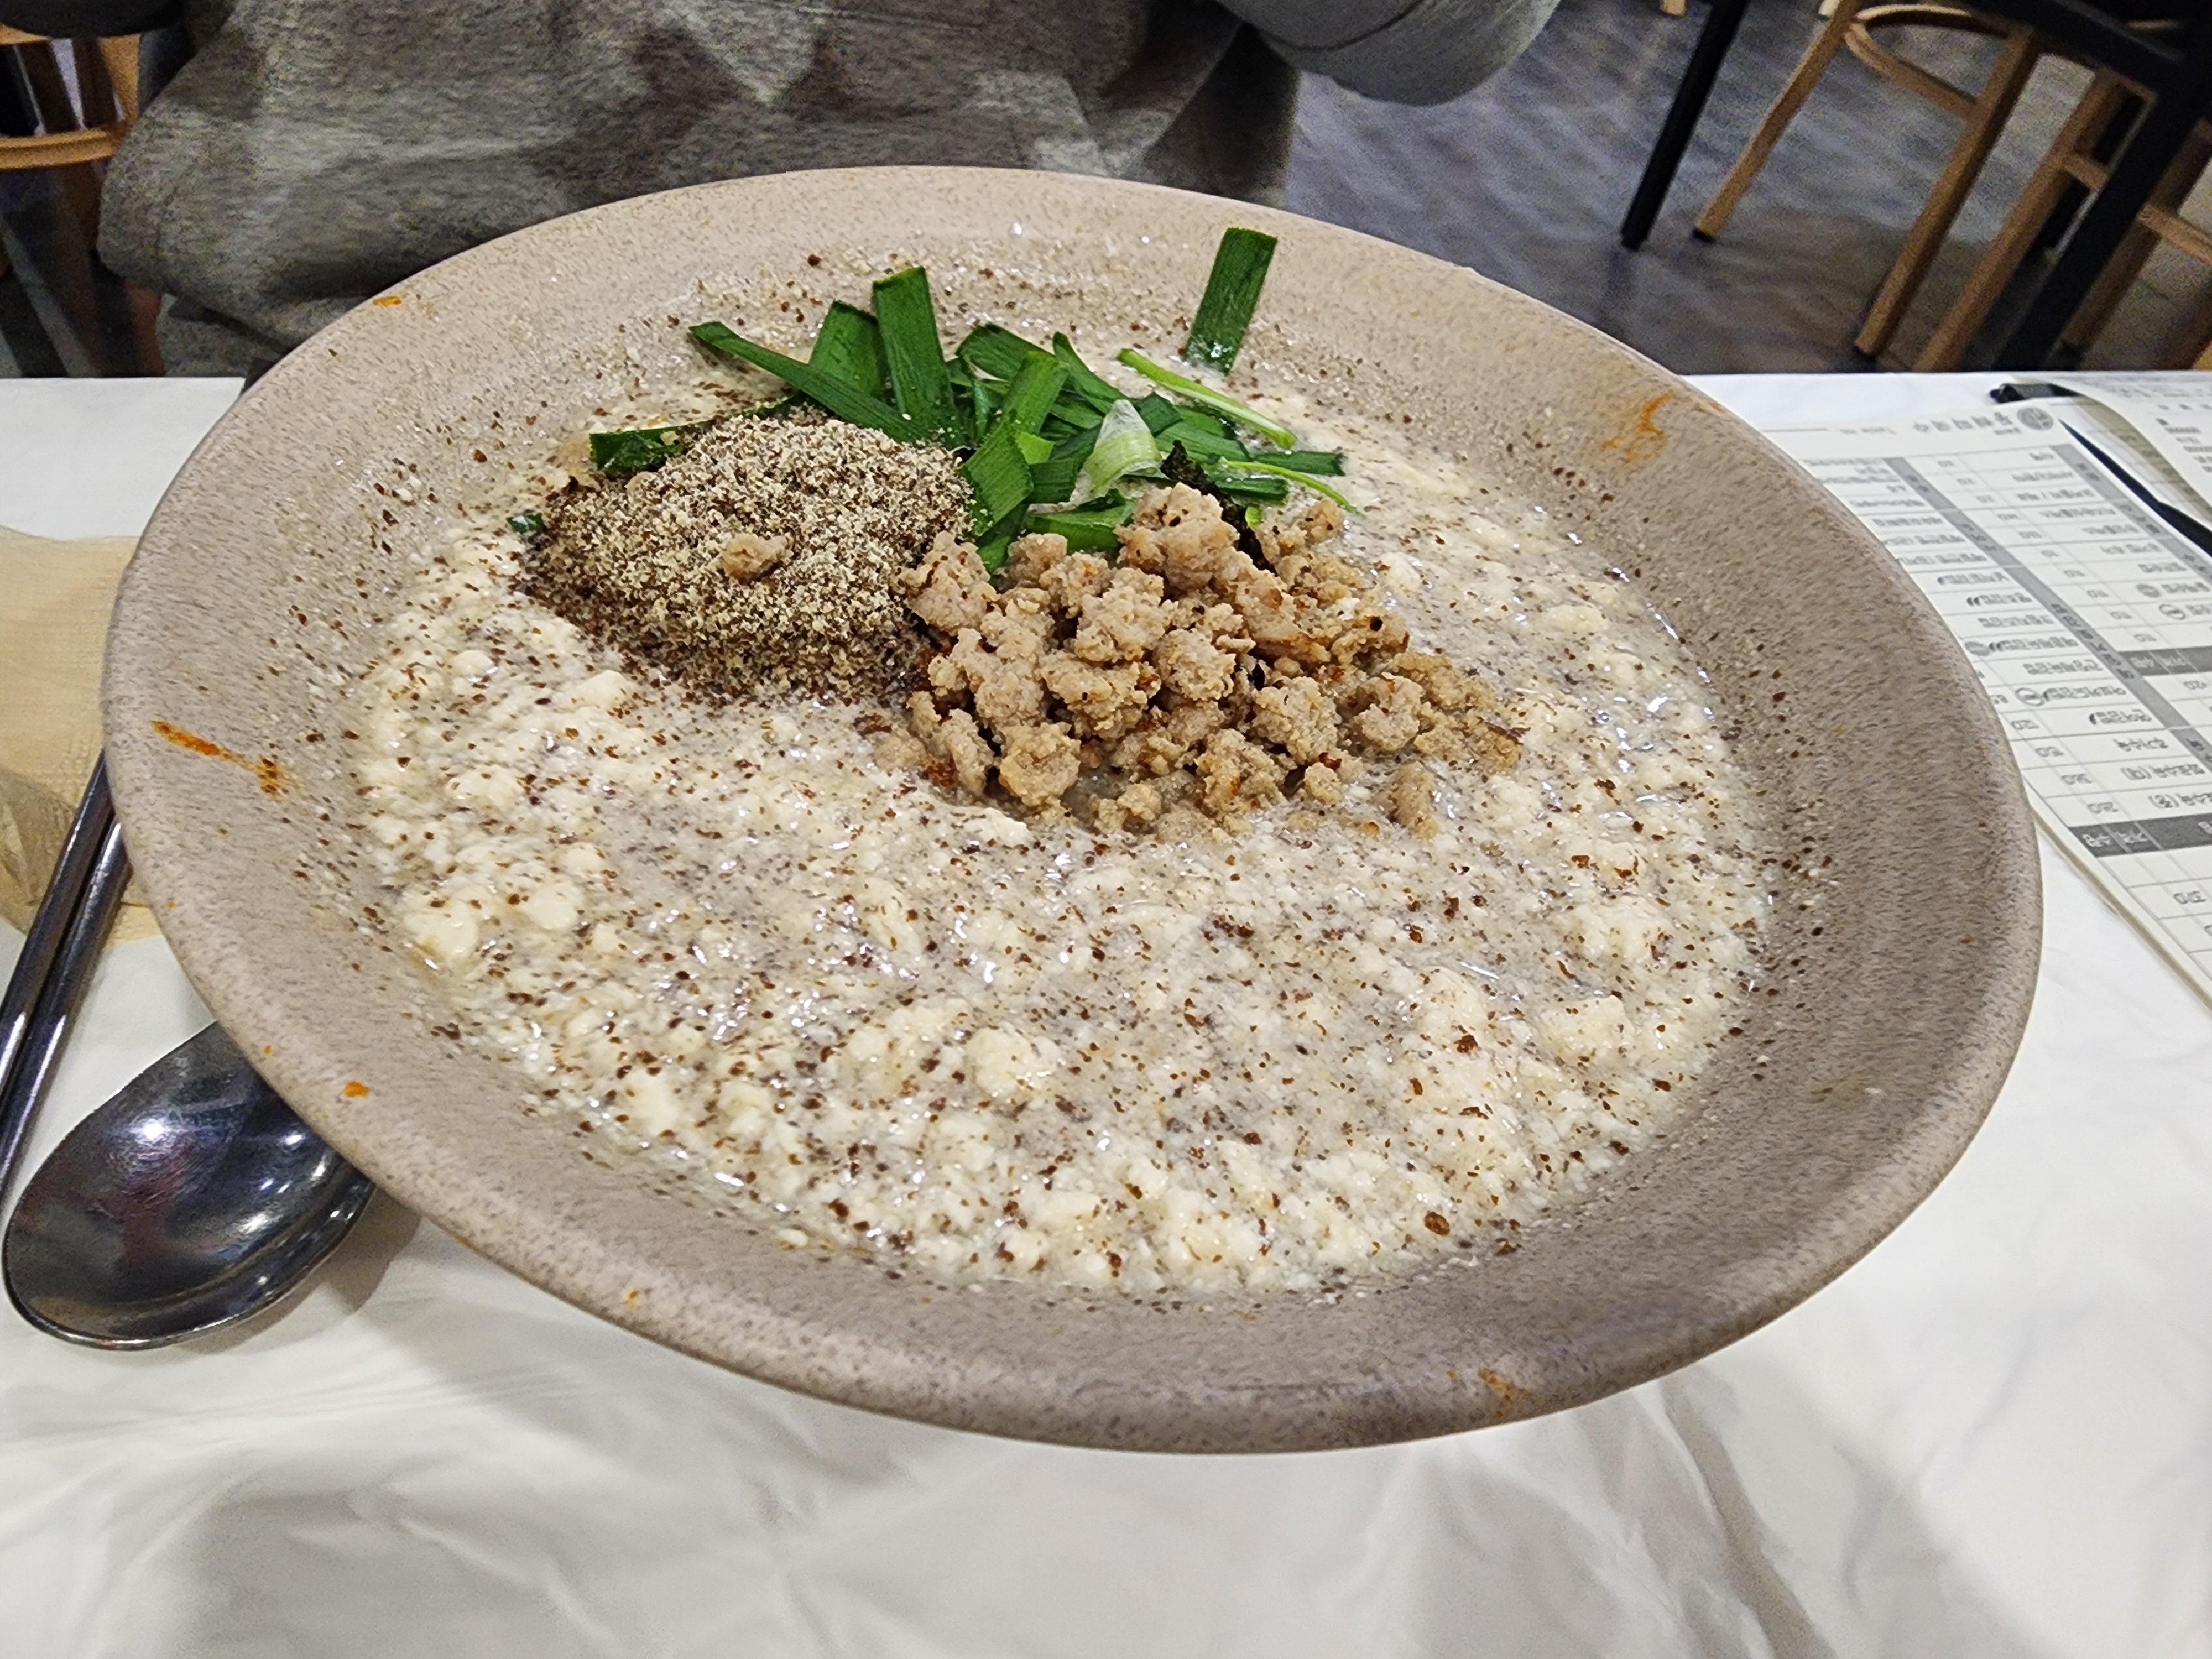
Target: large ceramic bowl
{"points": [[1902, 989]]}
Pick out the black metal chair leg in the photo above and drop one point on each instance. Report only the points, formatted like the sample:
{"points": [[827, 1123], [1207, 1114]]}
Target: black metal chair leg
{"points": [[2075, 196], [1713, 43], [2149, 152]]}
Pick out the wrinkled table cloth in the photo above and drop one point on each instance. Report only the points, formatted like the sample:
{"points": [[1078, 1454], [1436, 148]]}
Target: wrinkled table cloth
{"points": [[1993, 1437]]}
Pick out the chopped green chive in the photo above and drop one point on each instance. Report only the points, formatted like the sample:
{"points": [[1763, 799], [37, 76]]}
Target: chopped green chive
{"points": [[1159, 414], [1082, 380], [921, 386], [982, 395], [850, 346], [1073, 413], [1044, 426], [1033, 393], [1054, 478], [1232, 293], [528, 525], [999, 478], [1088, 530], [1250, 487], [846, 402], [1125, 445], [1206, 420], [1205, 397], [1203, 442], [617, 454], [1232, 475], [1329, 463], [997, 351]]}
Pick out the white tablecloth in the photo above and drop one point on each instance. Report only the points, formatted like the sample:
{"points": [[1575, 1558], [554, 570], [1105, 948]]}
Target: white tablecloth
{"points": [[1993, 1437]]}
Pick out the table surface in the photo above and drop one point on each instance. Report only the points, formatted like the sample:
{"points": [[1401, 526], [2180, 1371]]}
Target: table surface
{"points": [[1991, 1437]]}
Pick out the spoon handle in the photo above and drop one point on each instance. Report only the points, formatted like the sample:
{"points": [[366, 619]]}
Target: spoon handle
{"points": [[58, 957]]}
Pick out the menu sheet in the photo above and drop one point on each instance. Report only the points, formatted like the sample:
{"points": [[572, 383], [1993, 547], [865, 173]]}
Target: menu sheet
{"points": [[2122, 445], [2089, 622], [2172, 411]]}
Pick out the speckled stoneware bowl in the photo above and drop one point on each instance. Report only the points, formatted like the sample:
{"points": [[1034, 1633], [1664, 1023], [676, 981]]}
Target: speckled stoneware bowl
{"points": [[1902, 992]]}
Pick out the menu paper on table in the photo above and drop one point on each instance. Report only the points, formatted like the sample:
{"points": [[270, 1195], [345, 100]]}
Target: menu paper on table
{"points": [[2089, 622], [2172, 411], [2122, 444]]}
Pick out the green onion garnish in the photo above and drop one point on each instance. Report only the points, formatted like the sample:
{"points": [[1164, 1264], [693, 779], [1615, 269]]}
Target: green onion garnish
{"points": [[1231, 476], [982, 393], [617, 454], [850, 346], [1125, 445], [1054, 478], [999, 478], [842, 399], [1045, 427], [1203, 442], [1081, 379], [528, 525], [1073, 413], [1232, 293], [1159, 414], [1088, 530], [920, 387], [1033, 393], [1250, 487], [1329, 463], [997, 351], [1206, 397], [1206, 420]]}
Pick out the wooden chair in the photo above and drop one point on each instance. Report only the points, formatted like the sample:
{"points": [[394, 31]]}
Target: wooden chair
{"points": [[1982, 114], [78, 136], [74, 140], [110, 95], [2072, 160]]}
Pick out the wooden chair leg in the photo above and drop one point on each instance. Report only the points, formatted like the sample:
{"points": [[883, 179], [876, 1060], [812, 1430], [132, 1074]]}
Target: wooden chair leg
{"points": [[1992, 109], [145, 307], [2127, 264], [2104, 299], [96, 92], [49, 92], [1810, 68], [2105, 99], [118, 56]]}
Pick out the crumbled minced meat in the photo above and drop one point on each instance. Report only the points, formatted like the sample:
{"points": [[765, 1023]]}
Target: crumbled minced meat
{"points": [[1185, 678], [749, 557]]}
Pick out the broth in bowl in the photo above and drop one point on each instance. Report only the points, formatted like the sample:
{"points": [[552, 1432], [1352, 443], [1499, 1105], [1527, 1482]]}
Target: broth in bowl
{"points": [[1158, 918]]}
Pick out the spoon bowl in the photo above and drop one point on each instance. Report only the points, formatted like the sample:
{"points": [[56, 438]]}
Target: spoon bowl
{"points": [[192, 1200]]}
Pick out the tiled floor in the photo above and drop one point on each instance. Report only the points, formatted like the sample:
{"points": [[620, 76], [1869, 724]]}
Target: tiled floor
{"points": [[1525, 179]]}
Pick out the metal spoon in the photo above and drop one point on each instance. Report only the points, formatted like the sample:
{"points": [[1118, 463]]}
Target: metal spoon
{"points": [[194, 1197], [192, 1200]]}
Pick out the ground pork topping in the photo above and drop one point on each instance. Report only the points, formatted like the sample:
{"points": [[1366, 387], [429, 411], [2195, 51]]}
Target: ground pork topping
{"points": [[1185, 678]]}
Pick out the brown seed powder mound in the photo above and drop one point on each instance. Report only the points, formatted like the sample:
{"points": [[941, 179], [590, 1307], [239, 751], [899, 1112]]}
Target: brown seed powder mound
{"points": [[761, 559]]}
